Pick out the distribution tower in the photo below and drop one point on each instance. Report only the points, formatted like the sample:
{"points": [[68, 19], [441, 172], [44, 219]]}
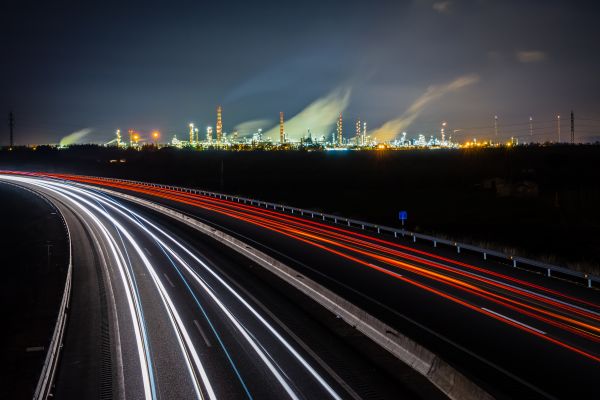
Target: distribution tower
{"points": [[572, 127], [11, 126], [118, 138], [219, 125], [358, 132], [531, 126], [496, 126], [364, 133], [281, 128]]}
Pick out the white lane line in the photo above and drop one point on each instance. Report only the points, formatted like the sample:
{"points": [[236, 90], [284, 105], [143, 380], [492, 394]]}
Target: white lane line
{"points": [[168, 280], [118, 207], [147, 252], [513, 320], [203, 334], [172, 313], [392, 272]]}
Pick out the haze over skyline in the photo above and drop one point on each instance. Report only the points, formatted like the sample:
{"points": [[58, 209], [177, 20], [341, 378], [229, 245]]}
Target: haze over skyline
{"points": [[399, 65]]}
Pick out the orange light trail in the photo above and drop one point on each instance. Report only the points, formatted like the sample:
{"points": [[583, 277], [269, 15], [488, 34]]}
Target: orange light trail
{"points": [[346, 242]]}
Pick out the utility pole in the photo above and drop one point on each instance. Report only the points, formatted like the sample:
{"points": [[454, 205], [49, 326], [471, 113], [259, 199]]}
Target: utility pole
{"points": [[572, 127], [11, 125], [558, 126]]}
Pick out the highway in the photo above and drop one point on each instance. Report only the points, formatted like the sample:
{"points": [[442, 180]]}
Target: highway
{"points": [[517, 334], [153, 317]]}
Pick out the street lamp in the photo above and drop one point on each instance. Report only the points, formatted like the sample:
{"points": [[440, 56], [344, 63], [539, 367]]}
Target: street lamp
{"points": [[155, 136]]}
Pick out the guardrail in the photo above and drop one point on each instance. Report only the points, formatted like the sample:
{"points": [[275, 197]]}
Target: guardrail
{"points": [[549, 270], [44, 386]]}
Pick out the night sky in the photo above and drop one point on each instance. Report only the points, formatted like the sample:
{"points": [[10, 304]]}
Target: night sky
{"points": [[399, 65]]}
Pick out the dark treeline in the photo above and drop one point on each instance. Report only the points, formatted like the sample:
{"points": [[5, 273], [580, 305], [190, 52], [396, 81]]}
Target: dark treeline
{"points": [[544, 202]]}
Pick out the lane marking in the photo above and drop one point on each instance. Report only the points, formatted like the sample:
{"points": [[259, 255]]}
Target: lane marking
{"points": [[147, 252], [392, 272], [168, 280], [513, 320], [202, 333]]}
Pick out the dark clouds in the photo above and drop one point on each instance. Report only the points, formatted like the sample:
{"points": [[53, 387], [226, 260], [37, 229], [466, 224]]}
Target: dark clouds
{"points": [[72, 65]]}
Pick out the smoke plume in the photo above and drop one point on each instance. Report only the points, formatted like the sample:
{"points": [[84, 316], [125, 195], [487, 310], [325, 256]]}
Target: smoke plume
{"points": [[319, 116], [390, 129], [75, 137]]}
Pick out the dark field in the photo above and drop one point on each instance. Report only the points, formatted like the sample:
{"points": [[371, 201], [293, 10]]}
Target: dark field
{"points": [[541, 202], [35, 255]]}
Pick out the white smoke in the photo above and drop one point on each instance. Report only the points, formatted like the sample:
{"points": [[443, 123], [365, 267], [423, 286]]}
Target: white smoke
{"points": [[390, 129], [75, 137], [319, 116]]}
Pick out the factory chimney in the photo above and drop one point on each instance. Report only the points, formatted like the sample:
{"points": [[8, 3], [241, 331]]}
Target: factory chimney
{"points": [[339, 130], [281, 130], [219, 125]]}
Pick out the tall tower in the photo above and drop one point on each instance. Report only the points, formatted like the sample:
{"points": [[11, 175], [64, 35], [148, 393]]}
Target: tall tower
{"points": [[191, 133], [131, 138], [496, 126], [572, 127], [209, 134], [118, 138], [11, 126], [443, 131], [219, 125], [531, 126], [364, 133], [358, 132], [339, 130], [281, 130], [558, 126]]}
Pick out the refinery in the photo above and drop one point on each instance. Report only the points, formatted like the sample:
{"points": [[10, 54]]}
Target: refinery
{"points": [[216, 138]]}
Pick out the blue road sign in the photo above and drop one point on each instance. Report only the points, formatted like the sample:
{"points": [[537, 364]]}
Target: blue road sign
{"points": [[403, 215]]}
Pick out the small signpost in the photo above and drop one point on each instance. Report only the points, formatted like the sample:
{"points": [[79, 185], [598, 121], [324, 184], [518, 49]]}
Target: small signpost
{"points": [[403, 216]]}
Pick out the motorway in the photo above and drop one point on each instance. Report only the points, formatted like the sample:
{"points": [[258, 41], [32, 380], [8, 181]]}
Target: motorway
{"points": [[517, 334], [152, 317]]}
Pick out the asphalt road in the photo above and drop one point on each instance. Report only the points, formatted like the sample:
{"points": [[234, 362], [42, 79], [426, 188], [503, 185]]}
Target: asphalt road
{"points": [[517, 334], [157, 314]]}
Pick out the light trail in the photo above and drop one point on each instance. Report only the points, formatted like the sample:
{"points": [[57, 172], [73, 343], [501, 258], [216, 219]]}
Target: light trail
{"points": [[474, 280], [198, 278], [105, 207]]}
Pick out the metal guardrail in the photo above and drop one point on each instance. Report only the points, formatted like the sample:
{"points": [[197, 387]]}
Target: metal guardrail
{"points": [[44, 386], [549, 269]]}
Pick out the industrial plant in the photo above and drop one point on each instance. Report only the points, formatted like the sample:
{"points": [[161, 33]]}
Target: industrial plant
{"points": [[218, 138]]}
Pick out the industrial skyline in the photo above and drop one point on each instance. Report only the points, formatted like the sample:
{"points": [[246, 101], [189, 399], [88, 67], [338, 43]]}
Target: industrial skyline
{"points": [[370, 62], [448, 137]]}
